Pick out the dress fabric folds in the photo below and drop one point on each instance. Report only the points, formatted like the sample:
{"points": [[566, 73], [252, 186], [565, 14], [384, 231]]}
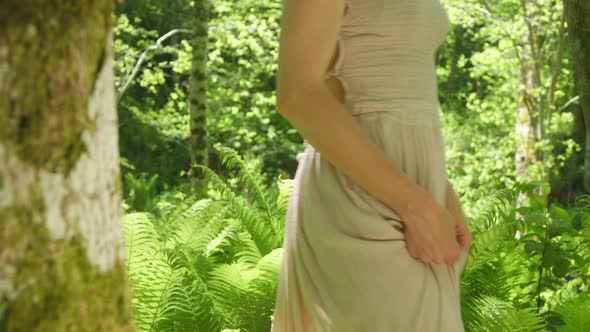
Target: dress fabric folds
{"points": [[345, 266]]}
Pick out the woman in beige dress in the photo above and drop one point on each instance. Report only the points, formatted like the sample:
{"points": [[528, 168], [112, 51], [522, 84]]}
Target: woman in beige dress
{"points": [[375, 237]]}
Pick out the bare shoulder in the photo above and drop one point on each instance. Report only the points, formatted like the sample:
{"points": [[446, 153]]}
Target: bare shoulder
{"points": [[308, 36]]}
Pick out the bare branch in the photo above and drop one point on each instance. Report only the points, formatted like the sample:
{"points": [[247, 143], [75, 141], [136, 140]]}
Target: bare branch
{"points": [[157, 45], [569, 102]]}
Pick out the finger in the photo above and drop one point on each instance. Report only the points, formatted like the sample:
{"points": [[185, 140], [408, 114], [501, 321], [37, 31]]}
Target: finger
{"points": [[428, 259], [411, 250], [464, 244], [454, 254], [439, 259], [423, 255], [449, 261]]}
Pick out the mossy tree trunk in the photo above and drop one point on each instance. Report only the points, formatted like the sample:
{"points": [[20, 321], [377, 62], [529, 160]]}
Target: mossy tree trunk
{"points": [[577, 14], [198, 92], [61, 245]]}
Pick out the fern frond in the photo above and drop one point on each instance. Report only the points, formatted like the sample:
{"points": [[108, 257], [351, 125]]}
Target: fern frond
{"points": [[487, 243], [285, 187], [492, 209], [228, 284], [263, 234], [200, 230], [230, 158], [536, 217], [269, 266], [575, 313], [187, 305], [246, 295], [224, 240], [140, 238], [150, 289], [496, 315], [246, 250], [196, 213]]}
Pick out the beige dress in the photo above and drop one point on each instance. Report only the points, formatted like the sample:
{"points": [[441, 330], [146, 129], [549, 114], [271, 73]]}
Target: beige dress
{"points": [[345, 261]]}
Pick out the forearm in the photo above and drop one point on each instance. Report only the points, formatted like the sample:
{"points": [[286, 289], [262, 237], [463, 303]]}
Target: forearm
{"points": [[333, 132]]}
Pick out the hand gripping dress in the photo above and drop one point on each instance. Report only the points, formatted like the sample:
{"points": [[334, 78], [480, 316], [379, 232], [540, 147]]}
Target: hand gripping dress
{"points": [[345, 264]]}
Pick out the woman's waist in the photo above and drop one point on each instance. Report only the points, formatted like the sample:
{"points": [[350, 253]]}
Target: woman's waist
{"points": [[406, 110]]}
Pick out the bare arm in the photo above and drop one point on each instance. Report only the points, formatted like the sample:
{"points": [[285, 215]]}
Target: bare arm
{"points": [[309, 30]]}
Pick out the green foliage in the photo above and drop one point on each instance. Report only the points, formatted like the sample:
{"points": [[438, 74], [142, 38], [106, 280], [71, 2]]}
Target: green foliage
{"points": [[140, 192], [575, 313], [153, 112], [479, 79], [215, 265], [212, 263], [152, 123], [522, 262], [501, 316]]}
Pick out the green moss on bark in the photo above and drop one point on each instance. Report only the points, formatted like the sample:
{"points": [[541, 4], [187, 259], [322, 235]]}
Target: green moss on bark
{"points": [[50, 54], [61, 290]]}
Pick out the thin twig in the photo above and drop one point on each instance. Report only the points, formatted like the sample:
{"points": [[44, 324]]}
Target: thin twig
{"points": [[157, 45], [569, 102]]}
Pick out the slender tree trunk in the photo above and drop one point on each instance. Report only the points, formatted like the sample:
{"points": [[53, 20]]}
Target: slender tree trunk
{"points": [[198, 92], [529, 114], [61, 245], [577, 13]]}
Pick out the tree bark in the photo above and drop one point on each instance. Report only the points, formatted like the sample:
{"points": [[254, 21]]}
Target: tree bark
{"points": [[198, 92], [577, 13], [61, 245]]}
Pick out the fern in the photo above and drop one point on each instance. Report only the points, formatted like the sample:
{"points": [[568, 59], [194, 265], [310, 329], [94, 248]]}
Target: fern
{"points": [[493, 274], [159, 279], [264, 237], [236, 283], [200, 228], [149, 271], [493, 209], [187, 305], [575, 313], [216, 267], [496, 315], [230, 158]]}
